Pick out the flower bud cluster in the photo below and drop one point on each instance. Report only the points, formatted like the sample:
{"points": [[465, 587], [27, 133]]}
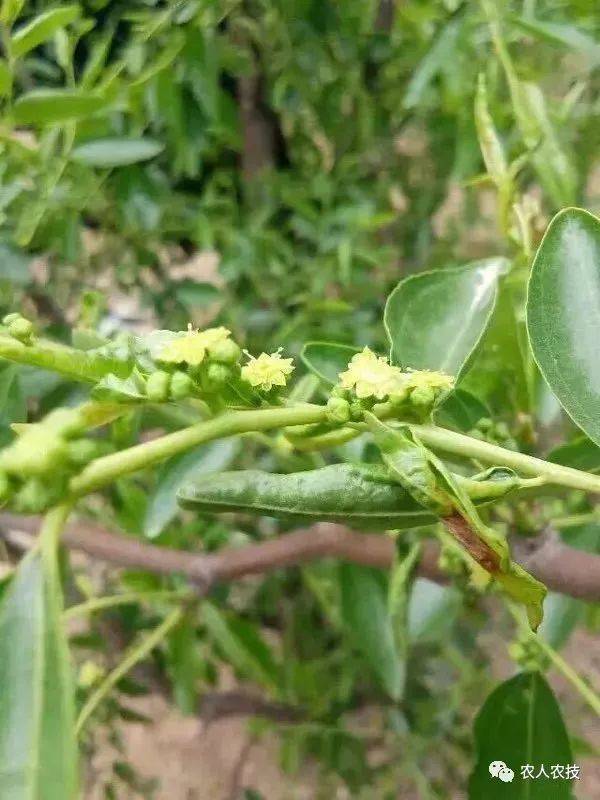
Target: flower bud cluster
{"points": [[370, 379], [36, 466], [495, 433], [19, 328]]}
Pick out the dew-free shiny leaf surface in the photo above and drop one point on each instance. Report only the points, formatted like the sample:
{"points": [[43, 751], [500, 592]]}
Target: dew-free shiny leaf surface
{"points": [[520, 723], [435, 320], [563, 315]]}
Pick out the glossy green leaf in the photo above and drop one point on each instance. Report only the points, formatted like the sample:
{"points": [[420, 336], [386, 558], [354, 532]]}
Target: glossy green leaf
{"points": [[563, 309], [461, 410], [435, 320], [162, 507], [327, 359], [45, 106], [38, 753], [116, 152], [242, 645], [111, 388], [368, 623], [520, 723], [42, 28]]}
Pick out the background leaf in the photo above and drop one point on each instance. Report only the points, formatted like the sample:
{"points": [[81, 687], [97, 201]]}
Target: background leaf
{"points": [[520, 723], [163, 507], [563, 310], [435, 320], [327, 359], [368, 624], [43, 106], [38, 753], [41, 28], [116, 151]]}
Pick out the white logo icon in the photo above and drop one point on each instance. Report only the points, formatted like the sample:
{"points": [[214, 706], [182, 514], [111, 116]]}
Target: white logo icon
{"points": [[498, 769]]}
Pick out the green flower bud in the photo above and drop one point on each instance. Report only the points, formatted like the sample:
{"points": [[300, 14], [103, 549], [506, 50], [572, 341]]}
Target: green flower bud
{"points": [[33, 498], [398, 398], [485, 424], [157, 386], [182, 385], [422, 397], [35, 453], [21, 329], [339, 391], [217, 375], [225, 351], [338, 410]]}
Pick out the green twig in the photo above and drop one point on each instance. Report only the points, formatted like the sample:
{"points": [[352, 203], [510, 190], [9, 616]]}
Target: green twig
{"points": [[135, 654], [104, 470], [102, 603]]}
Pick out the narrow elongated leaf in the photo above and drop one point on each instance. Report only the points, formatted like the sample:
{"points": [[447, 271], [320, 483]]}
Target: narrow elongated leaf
{"points": [[560, 33], [38, 754], [432, 610], [367, 620], [42, 27], [327, 359], [242, 645], [163, 507], [563, 313], [435, 320], [43, 106], [520, 724], [5, 78], [116, 152]]}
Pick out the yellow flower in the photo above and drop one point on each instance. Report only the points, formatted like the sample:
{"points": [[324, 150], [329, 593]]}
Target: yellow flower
{"points": [[190, 346], [267, 370], [370, 375], [424, 378]]}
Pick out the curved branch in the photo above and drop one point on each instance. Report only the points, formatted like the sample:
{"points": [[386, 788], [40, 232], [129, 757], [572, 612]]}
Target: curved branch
{"points": [[563, 569]]}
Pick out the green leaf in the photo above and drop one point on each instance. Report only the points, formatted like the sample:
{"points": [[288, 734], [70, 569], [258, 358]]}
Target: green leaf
{"points": [[563, 309], [563, 34], [6, 78], [121, 390], [44, 106], [12, 402], [579, 454], [42, 28], [242, 645], [435, 320], [520, 723], [38, 752], [14, 264], [207, 458], [432, 610], [196, 295], [368, 623], [116, 152], [489, 142], [461, 410], [561, 616], [327, 359], [431, 64]]}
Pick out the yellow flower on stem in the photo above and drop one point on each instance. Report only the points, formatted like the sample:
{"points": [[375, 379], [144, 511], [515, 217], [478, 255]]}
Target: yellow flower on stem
{"points": [[190, 347], [425, 378], [267, 370], [370, 375]]}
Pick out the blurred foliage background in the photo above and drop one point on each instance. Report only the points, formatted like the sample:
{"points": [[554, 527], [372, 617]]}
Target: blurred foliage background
{"points": [[277, 166]]}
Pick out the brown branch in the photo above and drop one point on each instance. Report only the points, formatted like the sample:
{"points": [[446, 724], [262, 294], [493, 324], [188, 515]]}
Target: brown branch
{"points": [[561, 568]]}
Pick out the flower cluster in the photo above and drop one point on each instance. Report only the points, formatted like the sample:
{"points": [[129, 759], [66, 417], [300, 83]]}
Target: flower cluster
{"points": [[267, 371], [190, 347], [371, 376]]}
